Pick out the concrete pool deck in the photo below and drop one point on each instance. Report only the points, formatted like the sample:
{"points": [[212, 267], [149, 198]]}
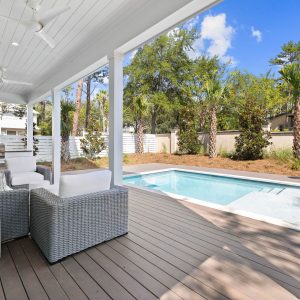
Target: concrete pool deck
{"points": [[282, 209]]}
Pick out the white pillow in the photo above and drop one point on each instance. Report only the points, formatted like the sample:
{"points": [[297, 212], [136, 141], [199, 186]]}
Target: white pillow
{"points": [[21, 164], [75, 185]]}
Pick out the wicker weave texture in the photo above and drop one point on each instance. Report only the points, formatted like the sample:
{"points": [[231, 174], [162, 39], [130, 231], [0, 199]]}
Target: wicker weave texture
{"points": [[63, 226], [14, 213]]}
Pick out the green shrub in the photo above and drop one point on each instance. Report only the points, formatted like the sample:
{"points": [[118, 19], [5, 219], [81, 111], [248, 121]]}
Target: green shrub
{"points": [[295, 164], [125, 158], [252, 141], [188, 137], [93, 143]]}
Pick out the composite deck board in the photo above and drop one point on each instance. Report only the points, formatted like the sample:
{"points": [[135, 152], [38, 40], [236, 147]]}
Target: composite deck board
{"points": [[152, 284], [11, 282], [70, 287], [87, 284], [174, 250], [41, 268], [31, 283], [259, 247], [209, 218], [225, 219], [219, 241], [168, 209], [195, 246]]}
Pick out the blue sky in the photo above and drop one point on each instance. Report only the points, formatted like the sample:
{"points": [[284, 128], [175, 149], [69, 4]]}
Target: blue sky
{"points": [[247, 32], [252, 31]]}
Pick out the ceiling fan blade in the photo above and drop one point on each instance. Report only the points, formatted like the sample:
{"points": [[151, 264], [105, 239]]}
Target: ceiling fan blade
{"points": [[28, 24], [8, 18], [47, 38], [51, 14], [7, 81]]}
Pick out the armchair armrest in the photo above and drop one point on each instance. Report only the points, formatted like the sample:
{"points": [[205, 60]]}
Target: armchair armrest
{"points": [[7, 174], [45, 171], [14, 214]]}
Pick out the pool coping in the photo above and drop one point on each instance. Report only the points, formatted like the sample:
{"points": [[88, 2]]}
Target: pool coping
{"points": [[254, 216]]}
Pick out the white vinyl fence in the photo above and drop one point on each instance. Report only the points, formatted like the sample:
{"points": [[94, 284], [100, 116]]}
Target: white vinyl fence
{"points": [[45, 145]]}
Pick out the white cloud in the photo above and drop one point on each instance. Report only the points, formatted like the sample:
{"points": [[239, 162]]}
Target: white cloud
{"points": [[132, 54], [105, 80], [257, 34], [218, 35], [189, 25]]}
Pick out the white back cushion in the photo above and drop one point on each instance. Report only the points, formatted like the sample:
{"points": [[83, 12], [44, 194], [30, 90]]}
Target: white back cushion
{"points": [[75, 185], [21, 164]]}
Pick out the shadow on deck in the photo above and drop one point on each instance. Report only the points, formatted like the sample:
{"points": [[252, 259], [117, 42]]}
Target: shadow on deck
{"points": [[174, 250]]}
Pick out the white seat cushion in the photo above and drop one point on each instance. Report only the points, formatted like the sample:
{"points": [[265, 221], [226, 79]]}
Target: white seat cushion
{"points": [[21, 164], [81, 184], [26, 178]]}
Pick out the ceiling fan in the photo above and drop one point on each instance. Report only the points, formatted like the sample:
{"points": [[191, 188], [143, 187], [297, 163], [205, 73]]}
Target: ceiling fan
{"points": [[39, 20], [4, 80]]}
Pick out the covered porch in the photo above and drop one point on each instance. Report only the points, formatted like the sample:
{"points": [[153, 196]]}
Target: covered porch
{"points": [[174, 249]]}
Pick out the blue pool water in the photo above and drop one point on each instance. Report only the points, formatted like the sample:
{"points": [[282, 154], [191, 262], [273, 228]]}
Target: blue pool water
{"points": [[210, 188]]}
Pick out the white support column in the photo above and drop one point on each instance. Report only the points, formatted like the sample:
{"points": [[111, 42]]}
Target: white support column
{"points": [[56, 139], [116, 117], [29, 127]]}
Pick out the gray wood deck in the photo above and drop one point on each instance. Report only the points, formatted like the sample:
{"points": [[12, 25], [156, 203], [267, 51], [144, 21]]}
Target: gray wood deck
{"points": [[175, 250]]}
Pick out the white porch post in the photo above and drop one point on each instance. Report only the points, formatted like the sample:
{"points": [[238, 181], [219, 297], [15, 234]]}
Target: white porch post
{"points": [[56, 139], [29, 127], [116, 117]]}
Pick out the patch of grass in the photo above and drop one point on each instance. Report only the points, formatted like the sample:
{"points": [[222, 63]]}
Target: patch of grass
{"points": [[224, 153], [283, 155]]}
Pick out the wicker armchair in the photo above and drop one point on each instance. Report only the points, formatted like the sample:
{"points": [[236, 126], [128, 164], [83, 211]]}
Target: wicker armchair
{"points": [[64, 226], [14, 214], [43, 170]]}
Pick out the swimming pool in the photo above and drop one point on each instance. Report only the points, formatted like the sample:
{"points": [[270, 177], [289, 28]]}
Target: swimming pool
{"points": [[205, 187]]}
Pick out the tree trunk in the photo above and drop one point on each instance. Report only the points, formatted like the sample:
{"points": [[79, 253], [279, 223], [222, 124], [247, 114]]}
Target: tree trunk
{"points": [[65, 149], [153, 122], [212, 147], [296, 130], [88, 101], [43, 112], [140, 137], [77, 108]]}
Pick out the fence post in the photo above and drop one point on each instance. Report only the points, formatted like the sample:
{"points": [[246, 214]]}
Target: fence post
{"points": [[173, 141]]}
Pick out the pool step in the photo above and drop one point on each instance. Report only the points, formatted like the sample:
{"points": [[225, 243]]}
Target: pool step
{"points": [[272, 191], [275, 191]]}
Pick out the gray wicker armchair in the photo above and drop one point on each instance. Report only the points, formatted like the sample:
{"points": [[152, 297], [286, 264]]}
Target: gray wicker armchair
{"points": [[14, 214], [43, 170], [64, 226]]}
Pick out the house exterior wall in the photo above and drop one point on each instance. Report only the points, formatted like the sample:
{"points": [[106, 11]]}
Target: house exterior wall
{"points": [[281, 122], [10, 123]]}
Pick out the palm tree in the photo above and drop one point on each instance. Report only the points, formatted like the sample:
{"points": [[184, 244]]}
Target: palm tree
{"points": [[291, 74], [77, 109], [66, 127], [140, 111], [102, 99], [214, 90]]}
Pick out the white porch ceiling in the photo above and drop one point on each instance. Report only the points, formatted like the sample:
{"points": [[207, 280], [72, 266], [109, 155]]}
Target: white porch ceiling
{"points": [[90, 31]]}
